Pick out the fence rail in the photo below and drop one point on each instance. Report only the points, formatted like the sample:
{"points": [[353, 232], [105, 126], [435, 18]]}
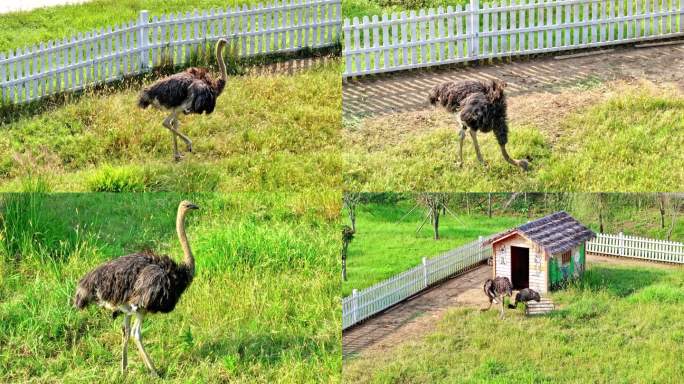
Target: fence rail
{"points": [[367, 302], [111, 53], [637, 247], [502, 29]]}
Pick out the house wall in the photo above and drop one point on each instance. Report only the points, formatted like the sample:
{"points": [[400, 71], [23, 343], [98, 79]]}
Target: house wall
{"points": [[537, 267], [559, 273]]}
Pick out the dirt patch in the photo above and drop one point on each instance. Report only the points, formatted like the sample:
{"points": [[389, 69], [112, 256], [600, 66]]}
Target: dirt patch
{"points": [[406, 91], [543, 110], [607, 260]]}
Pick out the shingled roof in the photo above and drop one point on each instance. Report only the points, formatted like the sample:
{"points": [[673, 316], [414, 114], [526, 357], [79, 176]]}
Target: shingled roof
{"points": [[555, 233]]}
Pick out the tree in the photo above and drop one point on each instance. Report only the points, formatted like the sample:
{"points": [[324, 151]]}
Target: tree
{"points": [[347, 237], [350, 200], [662, 203], [435, 204]]}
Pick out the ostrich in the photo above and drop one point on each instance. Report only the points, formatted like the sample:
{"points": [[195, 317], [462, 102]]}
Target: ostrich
{"points": [[190, 91], [524, 296], [138, 284], [496, 290], [479, 106]]}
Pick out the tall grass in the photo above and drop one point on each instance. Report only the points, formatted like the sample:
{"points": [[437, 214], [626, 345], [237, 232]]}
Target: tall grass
{"points": [[268, 132], [628, 143], [618, 325], [262, 308]]}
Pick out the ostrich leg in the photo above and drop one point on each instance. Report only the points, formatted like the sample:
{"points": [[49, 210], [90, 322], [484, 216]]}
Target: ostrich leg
{"points": [[126, 330], [502, 308], [137, 337], [168, 124], [186, 139], [461, 136], [473, 134], [518, 163]]}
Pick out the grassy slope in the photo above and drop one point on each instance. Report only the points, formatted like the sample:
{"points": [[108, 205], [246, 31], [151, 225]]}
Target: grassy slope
{"points": [[267, 132], [617, 326], [22, 29], [631, 142], [384, 247], [262, 308], [360, 8]]}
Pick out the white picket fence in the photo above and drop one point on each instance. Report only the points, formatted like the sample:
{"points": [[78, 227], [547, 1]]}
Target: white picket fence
{"points": [[502, 29], [111, 53], [637, 247], [367, 302], [363, 304]]}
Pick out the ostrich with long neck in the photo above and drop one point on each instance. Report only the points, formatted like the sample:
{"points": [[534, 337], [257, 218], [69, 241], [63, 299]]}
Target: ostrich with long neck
{"points": [[138, 284], [190, 91]]}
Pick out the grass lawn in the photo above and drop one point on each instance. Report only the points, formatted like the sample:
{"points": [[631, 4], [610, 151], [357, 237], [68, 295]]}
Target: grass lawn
{"points": [[360, 8], [268, 132], [383, 246], [26, 28], [619, 325], [263, 307], [629, 142]]}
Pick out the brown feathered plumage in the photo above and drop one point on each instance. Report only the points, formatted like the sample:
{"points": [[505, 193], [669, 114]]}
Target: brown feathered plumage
{"points": [[480, 106]]}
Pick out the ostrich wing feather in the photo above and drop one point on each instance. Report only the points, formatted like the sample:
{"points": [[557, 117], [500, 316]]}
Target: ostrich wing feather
{"points": [[203, 97]]}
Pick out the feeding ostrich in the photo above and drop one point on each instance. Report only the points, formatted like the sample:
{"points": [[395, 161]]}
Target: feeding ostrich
{"points": [[138, 284], [479, 106], [524, 296], [190, 91], [496, 290]]}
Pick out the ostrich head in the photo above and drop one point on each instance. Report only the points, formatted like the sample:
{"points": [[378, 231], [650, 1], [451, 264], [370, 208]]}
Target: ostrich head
{"points": [[186, 205]]}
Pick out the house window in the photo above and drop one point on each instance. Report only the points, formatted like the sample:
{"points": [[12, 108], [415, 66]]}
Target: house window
{"points": [[565, 257]]}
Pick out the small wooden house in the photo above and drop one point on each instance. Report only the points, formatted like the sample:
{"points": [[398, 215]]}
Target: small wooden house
{"points": [[542, 254]]}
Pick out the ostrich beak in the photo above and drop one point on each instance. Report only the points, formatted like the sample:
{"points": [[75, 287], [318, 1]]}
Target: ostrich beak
{"points": [[193, 206]]}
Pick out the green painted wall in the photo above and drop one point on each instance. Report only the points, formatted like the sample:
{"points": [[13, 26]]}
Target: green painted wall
{"points": [[560, 275]]}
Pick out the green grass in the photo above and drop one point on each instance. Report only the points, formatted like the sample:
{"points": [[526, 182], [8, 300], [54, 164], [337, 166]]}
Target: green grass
{"points": [[384, 246], [263, 306], [616, 326], [22, 29], [268, 132], [360, 8], [629, 143]]}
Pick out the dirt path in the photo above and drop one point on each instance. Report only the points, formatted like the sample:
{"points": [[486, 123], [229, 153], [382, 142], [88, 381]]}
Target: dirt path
{"points": [[406, 91], [414, 318], [418, 315]]}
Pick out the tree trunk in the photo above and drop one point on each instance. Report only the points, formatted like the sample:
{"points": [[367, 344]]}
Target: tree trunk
{"points": [[344, 261], [661, 208], [489, 205], [352, 218], [435, 223], [675, 209]]}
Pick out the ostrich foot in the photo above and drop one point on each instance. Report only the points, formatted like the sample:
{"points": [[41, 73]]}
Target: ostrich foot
{"points": [[177, 157]]}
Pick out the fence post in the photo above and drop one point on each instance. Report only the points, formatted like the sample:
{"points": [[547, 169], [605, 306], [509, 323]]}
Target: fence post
{"points": [[143, 39], [355, 305], [621, 244], [681, 15], [473, 29], [425, 272]]}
